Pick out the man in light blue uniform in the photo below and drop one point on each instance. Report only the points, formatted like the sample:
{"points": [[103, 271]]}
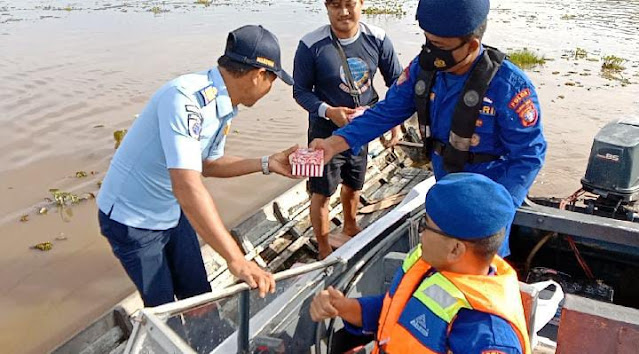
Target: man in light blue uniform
{"points": [[505, 142], [152, 200]]}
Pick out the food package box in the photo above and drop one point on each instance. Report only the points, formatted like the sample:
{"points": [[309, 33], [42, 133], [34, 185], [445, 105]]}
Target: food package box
{"points": [[307, 162]]}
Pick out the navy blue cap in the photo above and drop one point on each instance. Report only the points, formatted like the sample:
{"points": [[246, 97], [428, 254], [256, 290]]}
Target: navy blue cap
{"points": [[469, 206], [256, 46], [451, 18]]}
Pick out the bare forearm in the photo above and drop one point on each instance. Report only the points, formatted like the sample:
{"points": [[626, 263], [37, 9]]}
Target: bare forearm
{"points": [[338, 143], [231, 166], [200, 209], [350, 311]]}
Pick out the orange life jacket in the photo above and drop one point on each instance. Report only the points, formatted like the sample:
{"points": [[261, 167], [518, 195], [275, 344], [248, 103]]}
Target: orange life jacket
{"points": [[428, 301]]}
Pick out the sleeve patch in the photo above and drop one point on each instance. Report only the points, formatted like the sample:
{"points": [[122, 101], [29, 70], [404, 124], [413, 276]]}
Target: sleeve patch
{"points": [[528, 113], [404, 76], [492, 351], [194, 120], [519, 97]]}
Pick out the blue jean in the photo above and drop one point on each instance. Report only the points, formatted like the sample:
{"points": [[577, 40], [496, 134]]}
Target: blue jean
{"points": [[163, 264]]}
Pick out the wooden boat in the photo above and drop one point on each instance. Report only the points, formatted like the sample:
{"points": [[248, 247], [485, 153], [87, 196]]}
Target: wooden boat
{"points": [[278, 237]]}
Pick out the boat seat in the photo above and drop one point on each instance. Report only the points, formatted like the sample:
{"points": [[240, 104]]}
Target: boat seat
{"points": [[392, 261]]}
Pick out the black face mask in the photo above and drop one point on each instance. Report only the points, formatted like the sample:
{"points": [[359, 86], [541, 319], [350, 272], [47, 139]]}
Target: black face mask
{"points": [[433, 58]]}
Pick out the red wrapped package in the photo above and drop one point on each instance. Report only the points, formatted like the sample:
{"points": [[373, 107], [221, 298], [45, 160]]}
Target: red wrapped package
{"points": [[307, 162]]}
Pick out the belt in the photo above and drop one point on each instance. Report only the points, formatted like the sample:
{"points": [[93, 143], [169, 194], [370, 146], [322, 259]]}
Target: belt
{"points": [[473, 157]]}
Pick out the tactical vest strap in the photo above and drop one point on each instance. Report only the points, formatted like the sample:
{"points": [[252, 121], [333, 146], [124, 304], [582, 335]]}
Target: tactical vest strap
{"points": [[473, 157], [465, 114], [423, 86], [467, 109]]}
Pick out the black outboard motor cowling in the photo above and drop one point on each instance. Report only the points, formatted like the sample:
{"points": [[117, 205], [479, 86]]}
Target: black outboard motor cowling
{"points": [[613, 167]]}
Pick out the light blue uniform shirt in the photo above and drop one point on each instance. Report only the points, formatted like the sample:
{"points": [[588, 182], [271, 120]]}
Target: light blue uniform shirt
{"points": [[185, 122]]}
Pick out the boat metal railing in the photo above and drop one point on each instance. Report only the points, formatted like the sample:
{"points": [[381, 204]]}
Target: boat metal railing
{"points": [[154, 318], [152, 332]]}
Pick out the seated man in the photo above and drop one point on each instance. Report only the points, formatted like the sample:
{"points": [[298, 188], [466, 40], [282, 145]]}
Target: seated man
{"points": [[453, 293]]}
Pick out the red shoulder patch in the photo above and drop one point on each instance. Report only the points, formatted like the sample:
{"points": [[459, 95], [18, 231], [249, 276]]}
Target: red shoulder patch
{"points": [[527, 113], [404, 76], [519, 97]]}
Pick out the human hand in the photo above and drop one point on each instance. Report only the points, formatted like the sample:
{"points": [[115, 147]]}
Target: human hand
{"points": [[280, 164], [396, 134], [253, 275], [339, 115], [326, 303], [324, 145]]}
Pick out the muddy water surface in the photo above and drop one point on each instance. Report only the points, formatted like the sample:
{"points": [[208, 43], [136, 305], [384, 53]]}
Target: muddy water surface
{"points": [[71, 73]]}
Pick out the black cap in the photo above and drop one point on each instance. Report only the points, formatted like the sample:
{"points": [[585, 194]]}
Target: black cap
{"points": [[256, 46]]}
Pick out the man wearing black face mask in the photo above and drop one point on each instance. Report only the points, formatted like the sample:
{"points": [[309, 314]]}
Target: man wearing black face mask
{"points": [[478, 112]]}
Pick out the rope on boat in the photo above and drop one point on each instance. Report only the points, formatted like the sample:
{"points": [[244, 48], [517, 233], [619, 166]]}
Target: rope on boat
{"points": [[571, 200], [582, 262]]}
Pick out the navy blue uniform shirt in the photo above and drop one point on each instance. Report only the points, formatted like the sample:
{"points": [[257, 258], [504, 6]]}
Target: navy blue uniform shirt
{"points": [[509, 124], [320, 80]]}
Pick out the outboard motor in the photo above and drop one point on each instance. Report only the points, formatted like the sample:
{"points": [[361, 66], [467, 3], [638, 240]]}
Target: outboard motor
{"points": [[613, 167]]}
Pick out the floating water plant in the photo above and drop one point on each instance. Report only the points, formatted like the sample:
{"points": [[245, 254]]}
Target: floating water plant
{"points": [[156, 10], [63, 201], [63, 198], [580, 53], [118, 135], [525, 58], [393, 8], [612, 63], [43, 246]]}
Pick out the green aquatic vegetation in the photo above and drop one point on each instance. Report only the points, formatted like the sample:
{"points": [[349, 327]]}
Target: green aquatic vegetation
{"points": [[63, 201], [118, 135], [43, 246], [568, 17], [388, 9], [203, 2], [612, 63], [580, 53], [62, 198], [156, 10], [525, 58], [615, 76]]}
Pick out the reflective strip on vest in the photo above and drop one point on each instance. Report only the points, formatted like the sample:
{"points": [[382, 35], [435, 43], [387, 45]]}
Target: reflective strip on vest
{"points": [[441, 296], [436, 292], [459, 143], [412, 258]]}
